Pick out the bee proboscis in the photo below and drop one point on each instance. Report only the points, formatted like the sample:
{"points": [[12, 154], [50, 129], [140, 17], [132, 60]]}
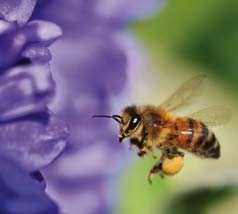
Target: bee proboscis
{"points": [[154, 127]]}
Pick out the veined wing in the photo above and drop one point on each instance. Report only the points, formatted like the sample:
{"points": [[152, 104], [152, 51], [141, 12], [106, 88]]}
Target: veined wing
{"points": [[185, 94], [214, 116]]}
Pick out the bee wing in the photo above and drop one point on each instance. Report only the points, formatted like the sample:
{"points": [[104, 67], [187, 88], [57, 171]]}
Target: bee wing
{"points": [[214, 116], [185, 94]]}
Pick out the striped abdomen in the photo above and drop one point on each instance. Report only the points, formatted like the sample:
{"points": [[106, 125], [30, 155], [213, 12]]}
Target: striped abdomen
{"points": [[194, 136]]}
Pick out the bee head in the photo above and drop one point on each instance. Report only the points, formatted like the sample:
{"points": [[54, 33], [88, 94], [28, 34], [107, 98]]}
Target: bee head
{"points": [[129, 121]]}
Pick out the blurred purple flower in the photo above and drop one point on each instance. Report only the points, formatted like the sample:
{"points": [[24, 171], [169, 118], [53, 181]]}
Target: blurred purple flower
{"points": [[19, 193], [16, 11], [30, 135], [90, 69], [37, 139], [15, 39]]}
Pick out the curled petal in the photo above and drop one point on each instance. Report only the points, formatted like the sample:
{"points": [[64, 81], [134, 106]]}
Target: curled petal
{"points": [[25, 89], [15, 41], [19, 193], [6, 26], [37, 53], [15, 10], [43, 31], [33, 141]]}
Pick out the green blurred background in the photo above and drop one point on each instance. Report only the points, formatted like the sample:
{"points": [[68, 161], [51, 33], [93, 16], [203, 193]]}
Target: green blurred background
{"points": [[182, 39]]}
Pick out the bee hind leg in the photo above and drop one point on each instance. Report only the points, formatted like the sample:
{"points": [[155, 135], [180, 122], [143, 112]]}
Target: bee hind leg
{"points": [[156, 168]]}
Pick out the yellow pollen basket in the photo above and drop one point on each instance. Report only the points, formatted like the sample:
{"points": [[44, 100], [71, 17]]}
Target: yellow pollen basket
{"points": [[172, 166]]}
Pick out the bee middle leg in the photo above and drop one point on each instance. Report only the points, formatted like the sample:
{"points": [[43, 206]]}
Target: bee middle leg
{"points": [[172, 152]]}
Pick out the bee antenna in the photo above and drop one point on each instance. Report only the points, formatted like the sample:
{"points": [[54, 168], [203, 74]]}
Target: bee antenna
{"points": [[108, 116], [115, 117]]}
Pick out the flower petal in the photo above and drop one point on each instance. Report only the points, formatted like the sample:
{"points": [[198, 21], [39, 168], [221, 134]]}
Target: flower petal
{"points": [[19, 193], [15, 41], [15, 10], [25, 89], [45, 32], [33, 141], [6, 26], [37, 53]]}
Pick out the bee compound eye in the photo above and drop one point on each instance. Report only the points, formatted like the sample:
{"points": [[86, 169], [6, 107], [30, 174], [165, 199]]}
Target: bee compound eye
{"points": [[135, 120]]}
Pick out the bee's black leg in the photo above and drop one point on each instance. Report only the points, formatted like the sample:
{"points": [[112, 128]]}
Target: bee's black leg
{"points": [[175, 151], [141, 153], [157, 168]]}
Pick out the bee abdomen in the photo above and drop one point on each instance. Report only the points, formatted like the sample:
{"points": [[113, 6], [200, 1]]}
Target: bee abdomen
{"points": [[211, 147], [196, 137], [206, 144]]}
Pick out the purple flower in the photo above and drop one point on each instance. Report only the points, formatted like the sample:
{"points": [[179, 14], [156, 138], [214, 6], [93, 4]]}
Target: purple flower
{"points": [[15, 39], [26, 87], [92, 152], [31, 137], [16, 11], [34, 140], [19, 193], [90, 69]]}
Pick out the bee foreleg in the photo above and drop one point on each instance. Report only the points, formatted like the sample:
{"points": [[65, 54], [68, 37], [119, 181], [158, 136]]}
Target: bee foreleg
{"points": [[143, 152], [157, 167]]}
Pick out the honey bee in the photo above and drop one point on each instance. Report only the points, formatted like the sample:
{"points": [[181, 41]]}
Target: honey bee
{"points": [[151, 128]]}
